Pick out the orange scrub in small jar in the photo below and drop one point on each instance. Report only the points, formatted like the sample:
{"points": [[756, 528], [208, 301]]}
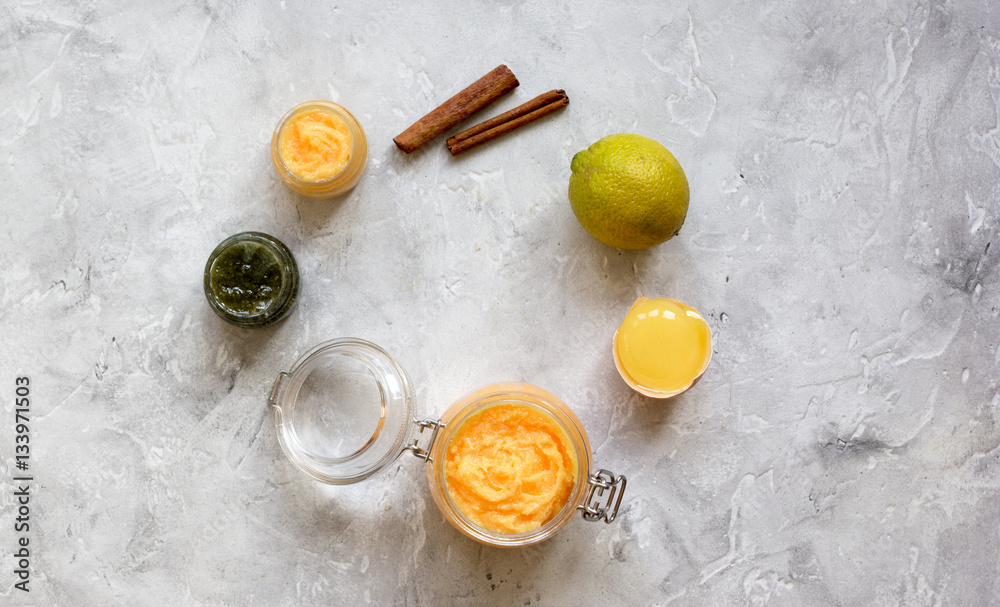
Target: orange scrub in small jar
{"points": [[319, 149], [315, 145], [662, 347], [510, 468]]}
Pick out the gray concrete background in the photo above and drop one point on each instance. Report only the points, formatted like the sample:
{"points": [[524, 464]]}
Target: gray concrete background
{"points": [[843, 241]]}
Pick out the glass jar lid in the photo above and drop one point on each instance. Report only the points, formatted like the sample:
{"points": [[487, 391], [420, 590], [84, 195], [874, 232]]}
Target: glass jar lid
{"points": [[343, 411]]}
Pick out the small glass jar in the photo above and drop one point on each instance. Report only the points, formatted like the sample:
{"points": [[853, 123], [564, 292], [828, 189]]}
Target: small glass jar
{"points": [[343, 413], [251, 280], [342, 181]]}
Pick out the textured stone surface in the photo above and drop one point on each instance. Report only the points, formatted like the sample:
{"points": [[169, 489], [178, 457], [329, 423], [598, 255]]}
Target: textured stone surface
{"points": [[843, 239]]}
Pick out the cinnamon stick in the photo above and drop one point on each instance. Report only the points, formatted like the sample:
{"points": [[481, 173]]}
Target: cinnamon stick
{"points": [[475, 97], [544, 104]]}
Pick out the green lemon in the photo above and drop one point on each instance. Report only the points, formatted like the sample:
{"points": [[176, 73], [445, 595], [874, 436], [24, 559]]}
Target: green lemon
{"points": [[629, 191]]}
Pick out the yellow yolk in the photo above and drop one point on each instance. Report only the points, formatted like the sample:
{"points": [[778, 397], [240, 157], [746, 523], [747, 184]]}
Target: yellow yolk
{"points": [[315, 145], [510, 468], [662, 347]]}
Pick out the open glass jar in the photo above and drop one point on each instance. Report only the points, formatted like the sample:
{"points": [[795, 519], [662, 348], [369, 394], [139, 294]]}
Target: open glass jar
{"points": [[345, 411]]}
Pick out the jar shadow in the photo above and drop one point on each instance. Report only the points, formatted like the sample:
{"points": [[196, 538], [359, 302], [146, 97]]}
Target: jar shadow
{"points": [[506, 575], [653, 416], [315, 214], [631, 272], [245, 343]]}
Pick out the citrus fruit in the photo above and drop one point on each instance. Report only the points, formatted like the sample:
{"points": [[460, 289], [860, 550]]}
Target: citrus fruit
{"points": [[628, 191]]}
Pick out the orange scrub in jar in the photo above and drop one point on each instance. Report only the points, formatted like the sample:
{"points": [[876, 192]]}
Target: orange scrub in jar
{"points": [[315, 145], [319, 149], [510, 468]]}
